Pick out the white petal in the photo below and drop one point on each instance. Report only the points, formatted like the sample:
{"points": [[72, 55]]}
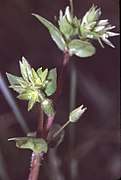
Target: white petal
{"points": [[110, 34], [110, 27], [99, 28], [107, 42], [103, 22]]}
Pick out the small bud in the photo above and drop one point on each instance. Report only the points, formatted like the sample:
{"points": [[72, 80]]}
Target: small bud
{"points": [[77, 113]]}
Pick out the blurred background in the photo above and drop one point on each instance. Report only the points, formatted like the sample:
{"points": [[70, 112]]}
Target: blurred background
{"points": [[90, 149]]}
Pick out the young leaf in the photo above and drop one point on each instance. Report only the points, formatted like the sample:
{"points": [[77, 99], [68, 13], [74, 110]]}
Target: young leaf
{"points": [[76, 114], [54, 32], [13, 80], [25, 69], [81, 48], [37, 145], [52, 84]]}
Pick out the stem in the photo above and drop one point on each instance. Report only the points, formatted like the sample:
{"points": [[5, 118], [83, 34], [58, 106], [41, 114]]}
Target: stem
{"points": [[61, 77], [40, 123], [47, 126], [43, 132], [35, 166], [72, 7], [36, 157]]}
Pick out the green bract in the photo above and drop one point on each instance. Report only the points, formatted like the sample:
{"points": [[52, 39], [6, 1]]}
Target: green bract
{"points": [[37, 145], [77, 113], [33, 85], [67, 24], [81, 48]]}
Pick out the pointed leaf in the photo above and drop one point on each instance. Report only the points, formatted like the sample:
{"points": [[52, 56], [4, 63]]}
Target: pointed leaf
{"points": [[18, 89], [31, 103], [44, 75], [37, 145], [52, 84], [13, 80], [25, 69], [54, 32], [81, 48]]}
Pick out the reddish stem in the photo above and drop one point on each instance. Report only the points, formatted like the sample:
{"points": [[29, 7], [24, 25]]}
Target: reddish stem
{"points": [[43, 132], [35, 166], [61, 77]]}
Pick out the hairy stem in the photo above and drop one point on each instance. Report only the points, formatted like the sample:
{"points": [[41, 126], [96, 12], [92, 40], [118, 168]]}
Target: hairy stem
{"points": [[35, 166], [36, 157]]}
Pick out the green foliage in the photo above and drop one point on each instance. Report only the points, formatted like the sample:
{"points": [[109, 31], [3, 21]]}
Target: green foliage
{"points": [[33, 86], [51, 85], [81, 48], [54, 32], [37, 145]]}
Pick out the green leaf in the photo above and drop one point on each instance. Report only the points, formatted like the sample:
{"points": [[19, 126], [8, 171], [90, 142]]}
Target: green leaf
{"points": [[52, 84], [25, 69], [81, 48], [65, 27], [18, 89], [13, 80], [54, 32], [31, 103], [77, 113], [37, 145], [44, 75]]}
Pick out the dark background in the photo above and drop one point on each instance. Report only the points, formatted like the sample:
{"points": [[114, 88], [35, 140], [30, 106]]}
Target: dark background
{"points": [[91, 146]]}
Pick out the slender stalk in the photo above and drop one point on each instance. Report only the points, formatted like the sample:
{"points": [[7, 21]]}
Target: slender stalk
{"points": [[56, 134]]}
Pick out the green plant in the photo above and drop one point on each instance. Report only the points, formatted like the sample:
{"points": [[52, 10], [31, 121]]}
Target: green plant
{"points": [[73, 37]]}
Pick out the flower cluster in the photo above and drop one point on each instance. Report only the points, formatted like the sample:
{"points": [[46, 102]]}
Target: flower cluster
{"points": [[93, 28], [33, 86], [75, 35]]}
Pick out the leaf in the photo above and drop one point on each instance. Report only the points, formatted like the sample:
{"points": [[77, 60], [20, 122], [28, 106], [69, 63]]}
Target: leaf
{"points": [[25, 69], [81, 48], [37, 145], [76, 114], [52, 84], [54, 32], [31, 103], [13, 80], [44, 75], [18, 89]]}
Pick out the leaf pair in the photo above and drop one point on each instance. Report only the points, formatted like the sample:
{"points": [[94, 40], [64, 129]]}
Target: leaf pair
{"points": [[37, 145]]}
